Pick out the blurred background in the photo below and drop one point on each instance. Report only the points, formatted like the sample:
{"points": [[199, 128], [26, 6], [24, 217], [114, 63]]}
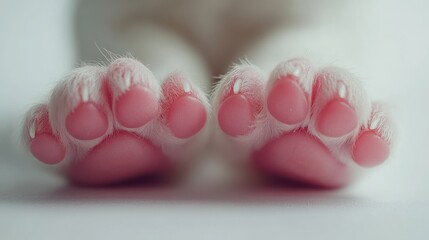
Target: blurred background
{"points": [[38, 46]]}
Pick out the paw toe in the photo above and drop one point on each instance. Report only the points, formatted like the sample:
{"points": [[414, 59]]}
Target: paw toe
{"points": [[336, 119], [370, 150], [136, 107], [47, 148], [86, 122], [186, 117], [287, 102], [235, 115]]}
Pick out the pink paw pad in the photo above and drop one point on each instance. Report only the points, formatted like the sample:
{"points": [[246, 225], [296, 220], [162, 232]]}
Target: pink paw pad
{"points": [[287, 102], [43, 144], [120, 157], [336, 119], [370, 149], [86, 122], [136, 107], [47, 148], [235, 115], [184, 112], [289, 156], [186, 117], [240, 101]]}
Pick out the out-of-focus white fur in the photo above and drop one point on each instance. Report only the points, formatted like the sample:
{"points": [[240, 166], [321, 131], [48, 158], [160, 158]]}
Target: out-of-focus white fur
{"points": [[217, 29]]}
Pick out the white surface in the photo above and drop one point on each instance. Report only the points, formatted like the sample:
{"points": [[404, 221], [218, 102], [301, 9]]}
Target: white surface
{"points": [[392, 202]]}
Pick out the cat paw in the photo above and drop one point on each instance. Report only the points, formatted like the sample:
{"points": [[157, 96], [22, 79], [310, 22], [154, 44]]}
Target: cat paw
{"points": [[115, 123], [301, 124]]}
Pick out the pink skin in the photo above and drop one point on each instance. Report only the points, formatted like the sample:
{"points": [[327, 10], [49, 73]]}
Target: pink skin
{"points": [[86, 122], [289, 156], [287, 102], [186, 117], [183, 111], [120, 156], [297, 154], [236, 110], [235, 115], [47, 148], [370, 149], [336, 119], [136, 107]]}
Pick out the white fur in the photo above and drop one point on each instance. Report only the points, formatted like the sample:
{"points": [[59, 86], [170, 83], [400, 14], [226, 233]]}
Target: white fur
{"points": [[332, 80], [34, 115], [381, 122], [67, 95], [296, 66], [125, 72], [251, 81], [255, 85]]}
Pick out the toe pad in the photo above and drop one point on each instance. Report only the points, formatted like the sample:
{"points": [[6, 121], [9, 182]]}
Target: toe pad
{"points": [[336, 119], [47, 149], [86, 122], [136, 107], [287, 101], [186, 117], [235, 116], [370, 150]]}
